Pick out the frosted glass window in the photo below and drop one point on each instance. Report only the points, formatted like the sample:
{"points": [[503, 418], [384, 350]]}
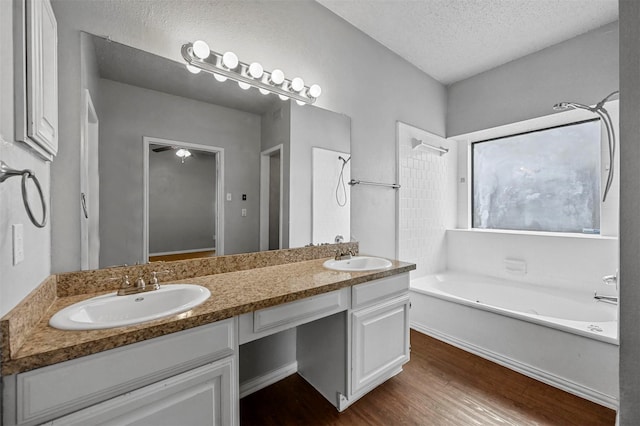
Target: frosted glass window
{"points": [[547, 180]]}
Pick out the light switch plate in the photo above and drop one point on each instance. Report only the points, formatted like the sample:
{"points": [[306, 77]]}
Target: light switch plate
{"points": [[244, 212], [18, 243]]}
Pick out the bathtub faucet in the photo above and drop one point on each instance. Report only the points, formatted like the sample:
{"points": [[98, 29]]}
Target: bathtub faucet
{"points": [[613, 300], [610, 280]]}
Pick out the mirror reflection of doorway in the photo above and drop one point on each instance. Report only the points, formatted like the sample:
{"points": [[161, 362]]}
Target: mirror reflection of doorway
{"points": [[271, 199], [183, 205]]}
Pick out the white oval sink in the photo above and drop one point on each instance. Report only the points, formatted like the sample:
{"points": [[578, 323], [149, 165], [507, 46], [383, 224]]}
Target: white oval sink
{"points": [[110, 310], [358, 264]]}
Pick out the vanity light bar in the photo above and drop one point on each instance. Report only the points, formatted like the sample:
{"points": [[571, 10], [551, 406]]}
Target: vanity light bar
{"points": [[223, 66]]}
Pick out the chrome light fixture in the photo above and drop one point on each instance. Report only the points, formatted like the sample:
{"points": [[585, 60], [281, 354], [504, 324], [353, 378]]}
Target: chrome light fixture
{"points": [[200, 57]]}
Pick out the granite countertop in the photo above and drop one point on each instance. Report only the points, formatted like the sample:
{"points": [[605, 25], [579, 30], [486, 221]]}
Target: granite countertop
{"points": [[232, 293]]}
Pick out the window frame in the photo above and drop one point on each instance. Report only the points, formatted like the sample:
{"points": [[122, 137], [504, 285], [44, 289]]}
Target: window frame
{"points": [[542, 129]]}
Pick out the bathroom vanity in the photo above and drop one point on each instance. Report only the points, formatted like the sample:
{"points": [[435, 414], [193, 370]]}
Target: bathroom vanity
{"points": [[352, 335]]}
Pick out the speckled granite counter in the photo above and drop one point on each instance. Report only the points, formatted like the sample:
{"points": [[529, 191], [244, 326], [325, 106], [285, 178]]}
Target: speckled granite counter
{"points": [[232, 293]]}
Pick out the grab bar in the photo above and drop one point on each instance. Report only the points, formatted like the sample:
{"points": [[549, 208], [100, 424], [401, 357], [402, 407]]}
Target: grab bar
{"points": [[364, 182], [6, 172]]}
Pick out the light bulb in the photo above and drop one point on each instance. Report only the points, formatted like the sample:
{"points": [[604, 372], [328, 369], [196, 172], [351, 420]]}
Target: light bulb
{"points": [[283, 97], [314, 91], [297, 84], [301, 103], [220, 78], [192, 69], [230, 60], [243, 85], [256, 70], [277, 77], [263, 91], [183, 153], [201, 49]]}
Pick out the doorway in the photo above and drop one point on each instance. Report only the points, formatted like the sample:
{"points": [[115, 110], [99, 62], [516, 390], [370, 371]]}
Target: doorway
{"points": [[183, 206], [271, 198]]}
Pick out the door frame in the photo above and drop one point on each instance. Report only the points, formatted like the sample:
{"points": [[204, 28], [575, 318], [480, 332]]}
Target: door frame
{"points": [[219, 217], [265, 167], [88, 143]]}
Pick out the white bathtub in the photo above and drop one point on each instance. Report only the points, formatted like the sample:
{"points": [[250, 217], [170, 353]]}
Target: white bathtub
{"points": [[565, 339]]}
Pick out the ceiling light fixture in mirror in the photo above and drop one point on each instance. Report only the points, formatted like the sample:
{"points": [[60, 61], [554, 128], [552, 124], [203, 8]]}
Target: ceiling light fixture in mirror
{"points": [[200, 58]]}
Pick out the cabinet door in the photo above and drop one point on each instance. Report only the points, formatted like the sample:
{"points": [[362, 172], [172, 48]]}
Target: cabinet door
{"points": [[36, 76], [203, 396], [380, 342], [42, 74]]}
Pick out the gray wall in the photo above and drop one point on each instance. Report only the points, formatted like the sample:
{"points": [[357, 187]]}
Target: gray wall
{"points": [[17, 281], [583, 69], [301, 38], [126, 118], [311, 127], [182, 201], [629, 217], [276, 130]]}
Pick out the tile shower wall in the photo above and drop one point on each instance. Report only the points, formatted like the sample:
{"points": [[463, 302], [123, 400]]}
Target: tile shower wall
{"points": [[427, 199]]}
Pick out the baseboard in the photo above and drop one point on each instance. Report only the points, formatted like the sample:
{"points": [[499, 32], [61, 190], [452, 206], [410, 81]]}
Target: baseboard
{"points": [[260, 382], [520, 367]]}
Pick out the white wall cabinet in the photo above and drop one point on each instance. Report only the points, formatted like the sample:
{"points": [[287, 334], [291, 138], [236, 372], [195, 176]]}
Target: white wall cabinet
{"points": [[36, 76], [202, 396]]}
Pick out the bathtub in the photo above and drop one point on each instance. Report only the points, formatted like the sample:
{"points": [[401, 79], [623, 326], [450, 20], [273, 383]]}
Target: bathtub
{"points": [[562, 338]]}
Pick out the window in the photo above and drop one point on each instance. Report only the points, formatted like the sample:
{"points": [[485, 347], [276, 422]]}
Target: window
{"points": [[546, 180]]}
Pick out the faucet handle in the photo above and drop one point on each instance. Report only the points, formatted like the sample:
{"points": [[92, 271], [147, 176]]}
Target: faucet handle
{"points": [[154, 280], [125, 282], [140, 283], [610, 280]]}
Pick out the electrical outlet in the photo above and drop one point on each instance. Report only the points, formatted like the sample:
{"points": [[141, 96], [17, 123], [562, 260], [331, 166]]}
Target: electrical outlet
{"points": [[244, 212], [18, 243]]}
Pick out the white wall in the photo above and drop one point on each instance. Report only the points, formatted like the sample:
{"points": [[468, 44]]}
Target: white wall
{"points": [[428, 197], [17, 281], [583, 69], [574, 263]]}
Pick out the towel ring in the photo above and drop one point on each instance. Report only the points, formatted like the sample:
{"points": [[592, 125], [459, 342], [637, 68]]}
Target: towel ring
{"points": [[6, 172]]}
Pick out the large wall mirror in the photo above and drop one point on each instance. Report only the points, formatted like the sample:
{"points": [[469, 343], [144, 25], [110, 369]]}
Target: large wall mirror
{"points": [[245, 184]]}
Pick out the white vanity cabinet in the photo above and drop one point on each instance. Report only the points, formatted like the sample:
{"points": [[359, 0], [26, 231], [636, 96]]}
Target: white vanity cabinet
{"points": [[202, 396], [379, 321], [190, 375], [36, 76], [347, 354]]}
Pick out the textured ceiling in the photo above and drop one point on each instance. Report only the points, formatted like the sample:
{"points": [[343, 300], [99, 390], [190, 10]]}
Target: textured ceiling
{"points": [[455, 39]]}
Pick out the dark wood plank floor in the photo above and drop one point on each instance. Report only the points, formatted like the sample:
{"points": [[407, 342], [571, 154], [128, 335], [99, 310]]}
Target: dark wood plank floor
{"points": [[441, 385]]}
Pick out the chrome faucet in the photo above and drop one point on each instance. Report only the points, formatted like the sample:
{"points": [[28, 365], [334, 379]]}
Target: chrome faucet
{"points": [[613, 300], [608, 280], [140, 286], [340, 255]]}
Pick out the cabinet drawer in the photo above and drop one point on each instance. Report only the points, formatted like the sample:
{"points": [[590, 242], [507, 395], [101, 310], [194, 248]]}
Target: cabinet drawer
{"points": [[202, 396], [378, 290], [59, 389], [277, 318]]}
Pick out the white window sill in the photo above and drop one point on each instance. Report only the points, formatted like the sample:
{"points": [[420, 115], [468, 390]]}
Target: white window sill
{"points": [[536, 233]]}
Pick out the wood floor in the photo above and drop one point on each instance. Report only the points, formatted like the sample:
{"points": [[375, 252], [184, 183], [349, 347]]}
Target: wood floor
{"points": [[441, 385]]}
